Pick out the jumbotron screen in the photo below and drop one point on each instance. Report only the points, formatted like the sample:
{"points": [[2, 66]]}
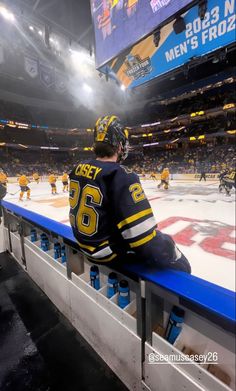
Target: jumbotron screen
{"points": [[118, 24]]}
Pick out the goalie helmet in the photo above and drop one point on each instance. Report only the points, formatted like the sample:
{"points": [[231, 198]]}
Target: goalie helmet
{"points": [[109, 130]]}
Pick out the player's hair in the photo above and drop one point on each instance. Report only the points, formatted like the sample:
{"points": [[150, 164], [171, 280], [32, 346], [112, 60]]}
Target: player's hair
{"points": [[104, 150]]}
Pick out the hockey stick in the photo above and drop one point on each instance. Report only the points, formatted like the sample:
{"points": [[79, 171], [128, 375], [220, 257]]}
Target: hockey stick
{"points": [[15, 192]]}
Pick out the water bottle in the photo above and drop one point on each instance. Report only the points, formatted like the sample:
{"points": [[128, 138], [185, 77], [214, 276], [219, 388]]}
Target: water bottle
{"points": [[57, 250], [45, 243], [63, 253], [94, 277], [112, 285], [124, 294], [174, 326], [42, 240], [33, 235]]}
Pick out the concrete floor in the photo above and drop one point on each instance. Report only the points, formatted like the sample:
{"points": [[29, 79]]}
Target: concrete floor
{"points": [[39, 349]]}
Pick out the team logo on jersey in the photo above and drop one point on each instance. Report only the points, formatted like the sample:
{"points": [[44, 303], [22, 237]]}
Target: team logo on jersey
{"points": [[137, 67], [31, 66]]}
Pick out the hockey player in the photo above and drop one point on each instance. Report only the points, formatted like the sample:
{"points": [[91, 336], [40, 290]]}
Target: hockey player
{"points": [[36, 177], [24, 188], [3, 178], [227, 181], [153, 176], [52, 180], [203, 174], [110, 215], [165, 176], [64, 180], [222, 174]]}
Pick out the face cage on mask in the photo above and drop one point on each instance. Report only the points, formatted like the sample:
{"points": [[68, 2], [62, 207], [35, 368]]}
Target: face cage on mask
{"points": [[124, 151]]}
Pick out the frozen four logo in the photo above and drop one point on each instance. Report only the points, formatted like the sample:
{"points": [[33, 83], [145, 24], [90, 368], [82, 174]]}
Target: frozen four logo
{"points": [[158, 4], [137, 67]]}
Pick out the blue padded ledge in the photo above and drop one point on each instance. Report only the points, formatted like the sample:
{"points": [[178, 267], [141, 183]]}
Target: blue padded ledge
{"points": [[192, 291]]}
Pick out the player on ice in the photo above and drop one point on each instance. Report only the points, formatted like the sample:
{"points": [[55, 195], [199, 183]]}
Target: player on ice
{"points": [[24, 188], [153, 176], [52, 180], [165, 177], [64, 180], [110, 215], [227, 181], [3, 178], [203, 174], [36, 177]]}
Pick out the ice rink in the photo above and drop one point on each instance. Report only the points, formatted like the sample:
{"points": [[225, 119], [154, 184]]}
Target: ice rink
{"points": [[199, 218]]}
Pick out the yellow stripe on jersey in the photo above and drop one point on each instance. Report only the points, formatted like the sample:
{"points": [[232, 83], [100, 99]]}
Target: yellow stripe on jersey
{"points": [[134, 217], [103, 243], [90, 248], [103, 259], [144, 240]]}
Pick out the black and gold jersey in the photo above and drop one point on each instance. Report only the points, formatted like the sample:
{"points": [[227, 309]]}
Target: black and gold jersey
{"points": [[109, 212], [230, 177]]}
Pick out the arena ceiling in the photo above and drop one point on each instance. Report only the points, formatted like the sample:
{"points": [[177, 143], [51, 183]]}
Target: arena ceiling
{"points": [[71, 17]]}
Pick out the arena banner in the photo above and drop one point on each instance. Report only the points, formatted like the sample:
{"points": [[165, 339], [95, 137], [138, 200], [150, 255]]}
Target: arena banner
{"points": [[31, 66], [145, 61], [119, 24], [47, 75]]}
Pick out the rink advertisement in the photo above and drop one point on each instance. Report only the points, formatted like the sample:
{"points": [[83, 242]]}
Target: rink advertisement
{"points": [[145, 61], [118, 24]]}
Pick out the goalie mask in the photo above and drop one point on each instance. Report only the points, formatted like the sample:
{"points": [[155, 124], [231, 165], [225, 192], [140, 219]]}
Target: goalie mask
{"points": [[110, 130]]}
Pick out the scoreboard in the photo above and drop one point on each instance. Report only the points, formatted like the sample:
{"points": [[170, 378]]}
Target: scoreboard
{"points": [[147, 60], [119, 24]]}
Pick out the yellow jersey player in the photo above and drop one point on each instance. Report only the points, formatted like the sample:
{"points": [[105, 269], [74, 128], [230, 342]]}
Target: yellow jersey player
{"points": [[3, 178], [36, 177], [52, 180], [165, 176], [24, 188], [64, 180], [153, 176]]}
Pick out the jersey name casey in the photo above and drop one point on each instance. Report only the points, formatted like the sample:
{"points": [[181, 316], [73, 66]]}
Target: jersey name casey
{"points": [[87, 171]]}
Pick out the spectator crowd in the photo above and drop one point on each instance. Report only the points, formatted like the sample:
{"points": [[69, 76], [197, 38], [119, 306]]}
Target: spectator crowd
{"points": [[210, 158]]}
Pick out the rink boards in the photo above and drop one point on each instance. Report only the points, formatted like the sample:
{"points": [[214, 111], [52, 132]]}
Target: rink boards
{"points": [[200, 220], [129, 339]]}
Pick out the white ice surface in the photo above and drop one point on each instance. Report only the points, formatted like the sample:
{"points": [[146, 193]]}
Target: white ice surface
{"points": [[211, 215]]}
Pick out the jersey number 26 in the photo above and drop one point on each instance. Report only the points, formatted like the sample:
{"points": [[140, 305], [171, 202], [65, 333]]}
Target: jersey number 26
{"points": [[86, 219]]}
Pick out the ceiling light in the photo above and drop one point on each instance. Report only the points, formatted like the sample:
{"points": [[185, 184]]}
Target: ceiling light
{"points": [[7, 14]]}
